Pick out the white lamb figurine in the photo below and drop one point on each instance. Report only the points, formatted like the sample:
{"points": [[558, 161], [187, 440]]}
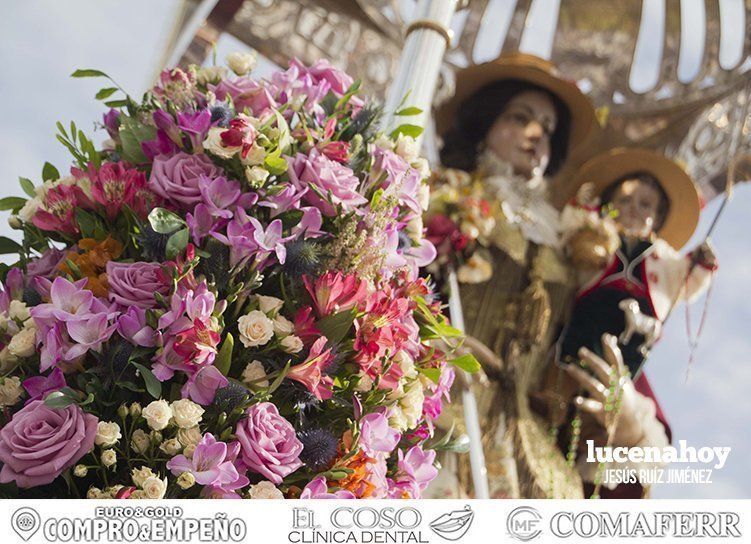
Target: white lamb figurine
{"points": [[637, 322]]}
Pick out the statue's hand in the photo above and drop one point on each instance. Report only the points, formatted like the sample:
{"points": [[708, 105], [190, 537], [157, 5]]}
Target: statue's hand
{"points": [[610, 371]]}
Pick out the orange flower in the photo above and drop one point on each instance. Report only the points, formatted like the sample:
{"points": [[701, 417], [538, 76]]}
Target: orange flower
{"points": [[357, 482], [90, 261]]}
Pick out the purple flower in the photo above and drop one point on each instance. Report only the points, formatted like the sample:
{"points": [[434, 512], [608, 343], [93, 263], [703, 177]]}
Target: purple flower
{"points": [[433, 403], [397, 177], [71, 324], [376, 437], [268, 444], [136, 284], [196, 125], [133, 327], [245, 93], [111, 121], [39, 443], [165, 122], [335, 183], [38, 386], [177, 178], [202, 386], [415, 472], [209, 464], [12, 289], [317, 488], [219, 195], [46, 265]]}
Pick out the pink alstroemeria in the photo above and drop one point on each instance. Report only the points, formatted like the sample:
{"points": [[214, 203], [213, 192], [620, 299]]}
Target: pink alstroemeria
{"points": [[335, 292], [114, 185], [209, 464], [58, 209], [241, 133], [311, 374]]}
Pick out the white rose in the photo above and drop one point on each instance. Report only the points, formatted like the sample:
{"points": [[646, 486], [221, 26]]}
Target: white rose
{"points": [[241, 63], [14, 222], [210, 74], [291, 344], [189, 450], [29, 209], [186, 413], [213, 144], [140, 475], [189, 437], [255, 329], [269, 305], [107, 433], [365, 383], [256, 174], [109, 458], [93, 493], [186, 480], [154, 488], [264, 490], [255, 156], [171, 446], [406, 363], [140, 441], [18, 310], [157, 414], [407, 148], [10, 391], [283, 326], [407, 412], [255, 371], [384, 142], [7, 360]]}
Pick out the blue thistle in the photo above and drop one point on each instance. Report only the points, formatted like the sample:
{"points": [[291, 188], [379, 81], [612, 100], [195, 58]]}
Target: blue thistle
{"points": [[153, 244], [319, 448], [221, 115], [303, 258], [231, 396]]}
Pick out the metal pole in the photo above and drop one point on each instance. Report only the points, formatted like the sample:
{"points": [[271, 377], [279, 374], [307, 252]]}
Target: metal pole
{"points": [[428, 37]]}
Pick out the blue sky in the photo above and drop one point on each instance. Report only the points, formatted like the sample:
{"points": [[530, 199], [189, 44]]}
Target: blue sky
{"points": [[45, 40]]}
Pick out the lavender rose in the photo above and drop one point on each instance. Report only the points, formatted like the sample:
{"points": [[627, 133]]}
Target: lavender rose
{"points": [[39, 443], [134, 284], [335, 180], [176, 178], [268, 444]]}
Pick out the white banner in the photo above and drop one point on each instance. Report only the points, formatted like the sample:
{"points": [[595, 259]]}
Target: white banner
{"points": [[374, 522]]}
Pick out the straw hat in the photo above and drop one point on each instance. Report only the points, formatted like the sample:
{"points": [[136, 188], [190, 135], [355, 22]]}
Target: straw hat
{"points": [[685, 201], [524, 67]]}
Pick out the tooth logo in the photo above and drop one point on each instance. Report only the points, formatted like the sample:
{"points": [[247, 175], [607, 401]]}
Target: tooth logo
{"points": [[454, 525]]}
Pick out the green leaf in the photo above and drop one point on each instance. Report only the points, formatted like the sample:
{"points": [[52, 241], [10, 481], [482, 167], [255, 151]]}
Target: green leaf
{"points": [[275, 165], [407, 130], [28, 186], [434, 374], [280, 378], [88, 72], [177, 243], [9, 246], [49, 172], [285, 139], [224, 358], [164, 221], [153, 386], [132, 133], [105, 93], [58, 399], [412, 110], [335, 326], [117, 103], [466, 362], [86, 222], [11, 203]]}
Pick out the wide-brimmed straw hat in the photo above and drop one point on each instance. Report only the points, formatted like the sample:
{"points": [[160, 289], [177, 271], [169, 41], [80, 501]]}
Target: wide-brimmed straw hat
{"points": [[523, 67], [685, 202]]}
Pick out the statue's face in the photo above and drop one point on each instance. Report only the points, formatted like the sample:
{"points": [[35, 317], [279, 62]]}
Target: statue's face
{"points": [[638, 206], [521, 134]]}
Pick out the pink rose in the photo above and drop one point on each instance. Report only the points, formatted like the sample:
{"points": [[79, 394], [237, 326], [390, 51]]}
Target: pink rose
{"points": [[330, 178], [135, 284], [39, 443], [176, 178], [268, 443]]}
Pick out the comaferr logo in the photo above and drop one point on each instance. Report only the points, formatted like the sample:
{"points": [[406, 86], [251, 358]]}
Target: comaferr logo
{"points": [[524, 523]]}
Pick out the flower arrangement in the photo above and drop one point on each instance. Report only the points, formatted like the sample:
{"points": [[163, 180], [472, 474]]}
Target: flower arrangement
{"points": [[223, 300], [460, 221]]}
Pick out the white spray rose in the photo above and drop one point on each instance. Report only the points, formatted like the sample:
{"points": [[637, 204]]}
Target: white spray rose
{"points": [[255, 371], [256, 329], [140, 475], [157, 414], [264, 490], [154, 488], [107, 433], [241, 63], [109, 458], [283, 326], [186, 413], [10, 391], [291, 344]]}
